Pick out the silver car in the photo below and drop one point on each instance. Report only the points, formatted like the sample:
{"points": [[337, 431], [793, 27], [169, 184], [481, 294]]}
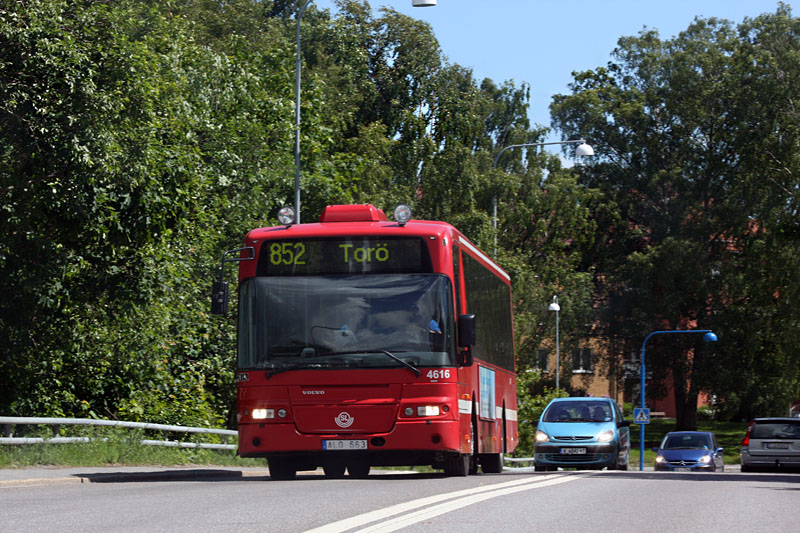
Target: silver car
{"points": [[771, 444]]}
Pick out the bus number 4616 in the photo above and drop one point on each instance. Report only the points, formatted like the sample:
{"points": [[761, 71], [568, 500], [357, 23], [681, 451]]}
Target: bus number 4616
{"points": [[438, 374]]}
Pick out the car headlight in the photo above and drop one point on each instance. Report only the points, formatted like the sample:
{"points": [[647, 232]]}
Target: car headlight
{"points": [[541, 436], [705, 459], [605, 436], [659, 459]]}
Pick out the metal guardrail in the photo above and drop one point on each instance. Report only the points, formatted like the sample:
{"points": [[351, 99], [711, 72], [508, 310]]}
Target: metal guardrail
{"points": [[528, 460], [11, 421], [16, 420]]}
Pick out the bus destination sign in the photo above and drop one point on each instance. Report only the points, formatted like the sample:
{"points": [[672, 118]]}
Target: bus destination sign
{"points": [[344, 255]]}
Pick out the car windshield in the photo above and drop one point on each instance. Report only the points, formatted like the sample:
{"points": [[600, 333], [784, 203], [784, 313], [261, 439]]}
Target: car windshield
{"points": [[788, 429], [686, 442], [294, 322], [587, 411]]}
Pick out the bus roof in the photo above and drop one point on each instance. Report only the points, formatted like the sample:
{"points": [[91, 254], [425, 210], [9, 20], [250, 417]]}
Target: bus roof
{"points": [[366, 219]]}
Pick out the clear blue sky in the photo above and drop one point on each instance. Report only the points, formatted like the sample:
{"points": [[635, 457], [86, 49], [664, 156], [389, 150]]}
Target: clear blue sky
{"points": [[542, 42]]}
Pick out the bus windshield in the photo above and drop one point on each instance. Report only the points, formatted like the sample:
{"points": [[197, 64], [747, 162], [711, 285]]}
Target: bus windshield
{"points": [[344, 321]]}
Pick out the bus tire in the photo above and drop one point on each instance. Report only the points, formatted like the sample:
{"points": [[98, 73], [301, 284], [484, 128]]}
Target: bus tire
{"points": [[492, 463], [359, 470], [458, 465], [334, 469], [281, 470]]}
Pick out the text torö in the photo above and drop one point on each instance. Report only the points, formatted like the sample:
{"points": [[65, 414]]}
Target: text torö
{"points": [[365, 254]]}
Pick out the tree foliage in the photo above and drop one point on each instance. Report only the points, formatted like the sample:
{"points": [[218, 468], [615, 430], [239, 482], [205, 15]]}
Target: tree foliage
{"points": [[700, 180], [139, 140]]}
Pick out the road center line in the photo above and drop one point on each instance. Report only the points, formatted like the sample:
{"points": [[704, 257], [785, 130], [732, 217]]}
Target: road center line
{"points": [[467, 496]]}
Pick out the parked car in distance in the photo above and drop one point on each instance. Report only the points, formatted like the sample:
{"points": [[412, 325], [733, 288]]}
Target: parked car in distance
{"points": [[585, 432], [771, 444], [689, 451]]}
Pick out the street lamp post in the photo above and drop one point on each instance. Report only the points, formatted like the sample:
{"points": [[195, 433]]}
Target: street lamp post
{"points": [[301, 7], [555, 307], [709, 336], [583, 149]]}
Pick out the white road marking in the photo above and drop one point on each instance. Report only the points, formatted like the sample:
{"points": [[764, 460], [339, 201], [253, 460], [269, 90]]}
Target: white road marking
{"points": [[460, 499]]}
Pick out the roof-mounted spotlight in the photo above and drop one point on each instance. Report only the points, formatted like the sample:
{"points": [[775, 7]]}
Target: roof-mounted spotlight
{"points": [[287, 216], [402, 214]]}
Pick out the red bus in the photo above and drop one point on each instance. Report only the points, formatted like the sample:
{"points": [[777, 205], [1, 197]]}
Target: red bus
{"points": [[368, 342]]}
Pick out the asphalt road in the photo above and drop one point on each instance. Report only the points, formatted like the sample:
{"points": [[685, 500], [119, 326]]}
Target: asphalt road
{"points": [[230, 499]]}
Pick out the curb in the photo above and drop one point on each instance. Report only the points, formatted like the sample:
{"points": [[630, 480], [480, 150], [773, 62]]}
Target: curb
{"points": [[127, 477]]}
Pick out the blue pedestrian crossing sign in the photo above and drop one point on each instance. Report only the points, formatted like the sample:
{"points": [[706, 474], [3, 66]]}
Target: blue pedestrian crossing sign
{"points": [[641, 415]]}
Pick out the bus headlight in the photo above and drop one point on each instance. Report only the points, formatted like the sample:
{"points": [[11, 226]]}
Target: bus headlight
{"points": [[261, 414], [428, 410], [422, 410]]}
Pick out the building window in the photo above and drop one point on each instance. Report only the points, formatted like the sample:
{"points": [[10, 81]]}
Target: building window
{"points": [[543, 360], [582, 361]]}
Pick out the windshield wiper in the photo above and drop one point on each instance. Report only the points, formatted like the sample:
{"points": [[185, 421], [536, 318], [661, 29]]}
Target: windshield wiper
{"points": [[389, 354], [294, 366], [406, 364]]}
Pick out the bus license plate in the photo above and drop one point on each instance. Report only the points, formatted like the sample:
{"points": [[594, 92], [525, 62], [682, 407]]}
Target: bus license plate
{"points": [[573, 451], [350, 444]]}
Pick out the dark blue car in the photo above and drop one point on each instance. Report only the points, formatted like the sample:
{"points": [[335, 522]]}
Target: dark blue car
{"points": [[689, 451]]}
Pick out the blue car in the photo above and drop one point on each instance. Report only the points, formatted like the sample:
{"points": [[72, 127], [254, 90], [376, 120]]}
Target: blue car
{"points": [[584, 433], [689, 451]]}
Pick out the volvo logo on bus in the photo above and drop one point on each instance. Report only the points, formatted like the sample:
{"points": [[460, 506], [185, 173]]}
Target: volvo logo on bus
{"points": [[344, 420], [312, 392]]}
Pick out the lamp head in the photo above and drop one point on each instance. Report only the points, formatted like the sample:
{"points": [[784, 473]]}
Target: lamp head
{"points": [[423, 3], [554, 306], [584, 149], [710, 337]]}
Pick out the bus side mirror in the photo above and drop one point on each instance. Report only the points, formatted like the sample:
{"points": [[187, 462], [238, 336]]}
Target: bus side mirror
{"points": [[466, 338], [220, 293], [466, 330], [219, 298]]}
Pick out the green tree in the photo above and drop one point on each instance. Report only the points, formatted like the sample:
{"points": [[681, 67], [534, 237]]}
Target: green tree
{"points": [[686, 207]]}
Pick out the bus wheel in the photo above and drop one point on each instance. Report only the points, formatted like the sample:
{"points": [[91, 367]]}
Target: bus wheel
{"points": [[281, 470], [473, 430], [334, 470], [492, 463], [458, 465], [358, 470]]}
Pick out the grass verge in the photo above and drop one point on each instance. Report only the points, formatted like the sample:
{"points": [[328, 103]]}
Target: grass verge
{"points": [[729, 435], [113, 446]]}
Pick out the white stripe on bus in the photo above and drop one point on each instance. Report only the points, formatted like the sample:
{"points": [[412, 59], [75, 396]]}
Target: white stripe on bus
{"points": [[484, 257]]}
